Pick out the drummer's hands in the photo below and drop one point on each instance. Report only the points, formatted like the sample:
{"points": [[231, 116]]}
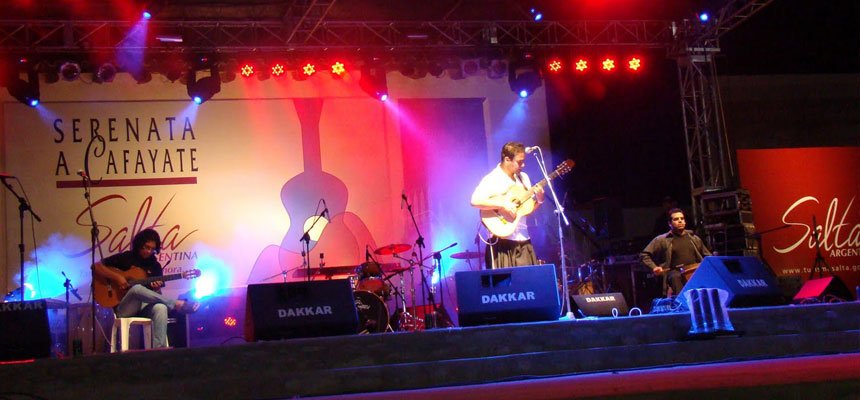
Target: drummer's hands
{"points": [[658, 271]]}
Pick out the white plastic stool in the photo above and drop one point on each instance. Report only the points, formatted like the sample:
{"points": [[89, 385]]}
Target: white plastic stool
{"points": [[124, 326]]}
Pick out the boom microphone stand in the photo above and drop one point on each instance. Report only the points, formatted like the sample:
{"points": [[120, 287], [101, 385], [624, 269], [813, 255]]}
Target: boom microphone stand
{"points": [[559, 211], [23, 206], [819, 264], [94, 233], [420, 244], [306, 239]]}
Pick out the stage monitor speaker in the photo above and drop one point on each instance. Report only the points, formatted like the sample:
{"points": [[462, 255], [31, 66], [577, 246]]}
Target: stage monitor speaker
{"points": [[821, 288], [746, 279], [601, 305], [24, 332], [519, 294], [300, 309]]}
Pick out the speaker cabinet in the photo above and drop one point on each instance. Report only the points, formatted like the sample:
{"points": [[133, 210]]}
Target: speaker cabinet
{"points": [[746, 279], [819, 289], [24, 332], [519, 294], [300, 309], [601, 305]]}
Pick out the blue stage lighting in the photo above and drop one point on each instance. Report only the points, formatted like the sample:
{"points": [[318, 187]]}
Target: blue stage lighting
{"points": [[34, 102], [147, 15], [198, 99], [524, 93], [704, 17]]}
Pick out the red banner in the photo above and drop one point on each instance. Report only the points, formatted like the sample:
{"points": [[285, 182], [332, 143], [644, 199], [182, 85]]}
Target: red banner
{"points": [[792, 187]]}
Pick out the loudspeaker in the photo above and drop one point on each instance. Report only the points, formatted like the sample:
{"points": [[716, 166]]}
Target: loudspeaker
{"points": [[601, 305], [746, 279], [817, 289], [518, 294], [300, 309], [24, 332]]}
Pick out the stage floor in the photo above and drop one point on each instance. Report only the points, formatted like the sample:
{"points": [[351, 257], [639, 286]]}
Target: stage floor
{"points": [[440, 358]]}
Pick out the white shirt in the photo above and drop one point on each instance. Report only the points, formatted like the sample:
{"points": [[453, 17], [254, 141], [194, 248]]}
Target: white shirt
{"points": [[498, 182]]}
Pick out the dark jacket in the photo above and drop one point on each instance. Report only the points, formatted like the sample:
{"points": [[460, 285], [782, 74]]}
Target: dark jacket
{"points": [[658, 253]]}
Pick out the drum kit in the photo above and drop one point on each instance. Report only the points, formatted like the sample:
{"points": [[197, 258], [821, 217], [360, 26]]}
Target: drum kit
{"points": [[374, 290]]}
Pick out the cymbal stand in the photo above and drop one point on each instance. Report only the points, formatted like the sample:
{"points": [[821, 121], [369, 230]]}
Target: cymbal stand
{"points": [[559, 211], [419, 243]]}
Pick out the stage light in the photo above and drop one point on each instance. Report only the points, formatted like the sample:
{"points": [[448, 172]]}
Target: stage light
{"points": [[70, 71], [497, 69], [634, 64], [537, 15], [147, 15], [470, 67], [27, 92], [105, 73], [704, 17], [338, 69], [374, 82], [247, 70], [141, 76], [524, 80], [581, 65], [309, 69], [263, 73], [608, 64], [554, 65], [201, 90], [278, 69]]}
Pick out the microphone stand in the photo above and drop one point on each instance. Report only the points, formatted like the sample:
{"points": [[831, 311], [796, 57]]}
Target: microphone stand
{"points": [[306, 239], [23, 206], [559, 211], [420, 244], [69, 289], [94, 243], [820, 264]]}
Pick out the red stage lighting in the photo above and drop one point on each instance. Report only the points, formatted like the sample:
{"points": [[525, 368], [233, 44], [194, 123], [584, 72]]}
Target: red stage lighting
{"points": [[581, 65], [278, 69], [338, 68], [309, 69], [608, 64], [247, 70], [554, 65], [634, 64]]}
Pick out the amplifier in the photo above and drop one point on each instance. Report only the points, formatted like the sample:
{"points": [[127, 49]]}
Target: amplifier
{"points": [[24, 332], [300, 309], [518, 294]]}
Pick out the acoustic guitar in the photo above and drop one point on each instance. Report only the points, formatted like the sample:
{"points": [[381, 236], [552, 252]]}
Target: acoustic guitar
{"points": [[109, 295], [522, 200]]}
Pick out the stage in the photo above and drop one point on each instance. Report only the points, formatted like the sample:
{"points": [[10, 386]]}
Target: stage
{"points": [[580, 358]]}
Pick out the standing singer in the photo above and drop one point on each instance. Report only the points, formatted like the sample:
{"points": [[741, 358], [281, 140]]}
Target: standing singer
{"points": [[494, 193]]}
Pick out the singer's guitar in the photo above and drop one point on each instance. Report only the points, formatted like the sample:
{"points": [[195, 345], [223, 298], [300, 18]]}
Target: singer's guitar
{"points": [[522, 200], [109, 295]]}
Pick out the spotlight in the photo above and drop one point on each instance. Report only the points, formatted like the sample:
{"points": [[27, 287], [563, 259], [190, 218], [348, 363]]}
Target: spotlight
{"points": [[581, 65], [554, 65], [374, 82], [229, 70], [70, 71], [536, 14], [105, 73], [524, 80], [27, 92], [497, 69], [338, 69], [264, 73], [147, 15], [634, 64], [278, 69], [704, 17], [608, 64], [201, 90], [309, 69], [247, 70], [470, 67]]}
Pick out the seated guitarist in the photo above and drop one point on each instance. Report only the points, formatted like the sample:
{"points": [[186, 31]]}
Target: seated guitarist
{"points": [[515, 249], [669, 252], [143, 301]]}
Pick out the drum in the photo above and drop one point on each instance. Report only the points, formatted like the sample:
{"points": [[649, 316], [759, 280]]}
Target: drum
{"points": [[372, 312], [688, 271], [368, 270], [375, 285]]}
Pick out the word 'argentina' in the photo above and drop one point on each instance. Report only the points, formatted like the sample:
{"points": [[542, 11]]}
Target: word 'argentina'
{"points": [[304, 311], [507, 297]]}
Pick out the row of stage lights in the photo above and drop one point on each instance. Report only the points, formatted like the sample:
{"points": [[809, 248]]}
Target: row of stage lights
{"points": [[277, 69], [584, 65]]}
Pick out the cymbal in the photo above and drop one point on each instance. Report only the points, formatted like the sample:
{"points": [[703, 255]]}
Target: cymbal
{"points": [[466, 255], [392, 249]]}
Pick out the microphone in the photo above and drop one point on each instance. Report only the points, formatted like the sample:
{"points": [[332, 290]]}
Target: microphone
{"points": [[325, 209], [4, 176], [83, 174], [367, 253], [402, 200], [531, 149]]}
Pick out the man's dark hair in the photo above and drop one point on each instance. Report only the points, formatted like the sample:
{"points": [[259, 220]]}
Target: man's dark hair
{"points": [[144, 236], [673, 211], [511, 149]]}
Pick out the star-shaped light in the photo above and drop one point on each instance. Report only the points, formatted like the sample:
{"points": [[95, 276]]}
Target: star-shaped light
{"points": [[555, 66], [247, 70], [277, 70], [634, 64], [337, 68], [309, 69], [581, 65], [608, 64]]}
